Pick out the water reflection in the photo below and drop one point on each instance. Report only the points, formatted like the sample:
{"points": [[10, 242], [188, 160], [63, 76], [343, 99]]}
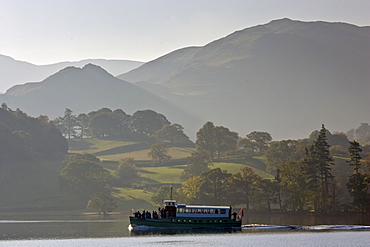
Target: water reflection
{"points": [[306, 220], [61, 229], [152, 231]]}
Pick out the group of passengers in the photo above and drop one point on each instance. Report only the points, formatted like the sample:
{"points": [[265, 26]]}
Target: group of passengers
{"points": [[149, 215]]}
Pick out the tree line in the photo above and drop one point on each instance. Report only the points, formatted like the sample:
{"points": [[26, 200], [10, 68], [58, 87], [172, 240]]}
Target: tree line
{"points": [[27, 138], [302, 169], [107, 123]]}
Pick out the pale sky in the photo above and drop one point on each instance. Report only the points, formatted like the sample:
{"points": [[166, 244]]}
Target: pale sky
{"points": [[50, 31]]}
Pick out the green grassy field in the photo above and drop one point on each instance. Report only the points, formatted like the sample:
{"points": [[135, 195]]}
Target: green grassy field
{"points": [[112, 151], [236, 167], [115, 150], [94, 145], [175, 152], [162, 174]]}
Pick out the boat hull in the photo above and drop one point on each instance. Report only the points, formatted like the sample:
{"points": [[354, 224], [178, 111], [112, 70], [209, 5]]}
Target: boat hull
{"points": [[185, 222]]}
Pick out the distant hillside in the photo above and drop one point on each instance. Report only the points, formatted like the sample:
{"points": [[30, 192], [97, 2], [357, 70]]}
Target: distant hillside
{"points": [[285, 77], [87, 89], [14, 72]]}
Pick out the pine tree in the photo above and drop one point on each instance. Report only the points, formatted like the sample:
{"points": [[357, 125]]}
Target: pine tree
{"points": [[318, 170], [357, 184], [354, 152], [324, 160]]}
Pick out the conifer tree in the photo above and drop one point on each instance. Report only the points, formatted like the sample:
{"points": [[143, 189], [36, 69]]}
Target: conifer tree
{"points": [[325, 161], [354, 153], [318, 170], [357, 184]]}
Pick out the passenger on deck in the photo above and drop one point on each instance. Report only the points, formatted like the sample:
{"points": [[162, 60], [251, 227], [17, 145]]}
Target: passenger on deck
{"points": [[234, 215], [163, 213], [137, 214], [155, 215]]}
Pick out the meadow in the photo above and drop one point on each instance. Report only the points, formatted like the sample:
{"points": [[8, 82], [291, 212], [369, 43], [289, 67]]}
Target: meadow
{"points": [[152, 175]]}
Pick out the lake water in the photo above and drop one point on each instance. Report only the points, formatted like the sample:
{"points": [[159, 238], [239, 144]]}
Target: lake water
{"points": [[113, 231]]}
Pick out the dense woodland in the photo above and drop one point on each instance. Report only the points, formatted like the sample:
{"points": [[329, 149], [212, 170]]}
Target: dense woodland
{"points": [[107, 123], [24, 137], [302, 177]]}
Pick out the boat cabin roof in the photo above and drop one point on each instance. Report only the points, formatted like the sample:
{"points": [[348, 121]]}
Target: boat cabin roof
{"points": [[173, 203], [168, 201], [201, 207]]}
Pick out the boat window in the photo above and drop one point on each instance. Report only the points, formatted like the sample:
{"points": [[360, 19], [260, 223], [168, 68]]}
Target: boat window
{"points": [[179, 210], [198, 210], [211, 211], [186, 210], [193, 210], [223, 211]]}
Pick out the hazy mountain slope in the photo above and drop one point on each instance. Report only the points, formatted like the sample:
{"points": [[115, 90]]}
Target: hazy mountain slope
{"points": [[85, 90], [286, 77], [162, 68], [13, 72]]}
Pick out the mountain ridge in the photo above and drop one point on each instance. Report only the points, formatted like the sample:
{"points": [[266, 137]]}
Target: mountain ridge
{"points": [[14, 72], [284, 64]]}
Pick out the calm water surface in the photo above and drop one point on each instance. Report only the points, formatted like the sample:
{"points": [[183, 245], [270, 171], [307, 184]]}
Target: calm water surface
{"points": [[244, 239], [257, 231]]}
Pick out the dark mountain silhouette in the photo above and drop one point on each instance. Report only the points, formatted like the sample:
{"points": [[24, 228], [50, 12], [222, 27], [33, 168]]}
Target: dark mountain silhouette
{"points": [[13, 72], [87, 89], [285, 77]]}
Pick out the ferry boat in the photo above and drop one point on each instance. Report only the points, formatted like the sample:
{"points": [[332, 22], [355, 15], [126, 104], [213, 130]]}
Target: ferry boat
{"points": [[175, 215]]}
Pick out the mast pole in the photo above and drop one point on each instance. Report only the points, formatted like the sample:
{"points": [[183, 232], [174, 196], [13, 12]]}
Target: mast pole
{"points": [[171, 194]]}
